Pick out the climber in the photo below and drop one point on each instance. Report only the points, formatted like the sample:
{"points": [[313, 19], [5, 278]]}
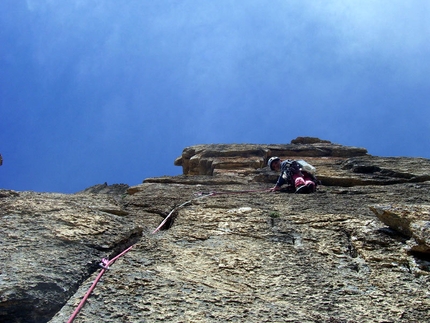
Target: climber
{"points": [[292, 173]]}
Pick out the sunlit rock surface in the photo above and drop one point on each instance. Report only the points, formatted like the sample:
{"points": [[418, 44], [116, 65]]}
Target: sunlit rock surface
{"points": [[355, 251]]}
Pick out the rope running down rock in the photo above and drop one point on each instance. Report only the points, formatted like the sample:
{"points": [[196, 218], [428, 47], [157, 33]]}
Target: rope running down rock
{"points": [[105, 263]]}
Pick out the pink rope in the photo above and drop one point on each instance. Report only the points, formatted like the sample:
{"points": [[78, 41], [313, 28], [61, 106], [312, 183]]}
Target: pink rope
{"points": [[105, 263], [171, 212], [105, 266], [202, 195]]}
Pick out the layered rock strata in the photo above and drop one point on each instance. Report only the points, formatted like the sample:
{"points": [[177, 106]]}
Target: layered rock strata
{"points": [[355, 251]]}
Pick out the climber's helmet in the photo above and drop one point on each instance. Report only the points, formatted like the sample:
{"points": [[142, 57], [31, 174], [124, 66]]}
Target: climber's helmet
{"points": [[271, 160]]}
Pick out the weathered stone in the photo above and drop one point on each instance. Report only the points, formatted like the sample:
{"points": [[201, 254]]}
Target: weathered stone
{"points": [[114, 189], [231, 250], [309, 140], [257, 256], [337, 165], [410, 220], [49, 244], [207, 159]]}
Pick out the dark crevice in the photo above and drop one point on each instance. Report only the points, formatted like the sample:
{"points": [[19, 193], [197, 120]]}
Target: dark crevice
{"points": [[94, 265], [351, 251], [394, 234], [169, 223], [125, 243], [422, 259]]}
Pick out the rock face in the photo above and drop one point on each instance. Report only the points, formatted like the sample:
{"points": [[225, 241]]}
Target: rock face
{"points": [[337, 165], [246, 158], [50, 243], [358, 250]]}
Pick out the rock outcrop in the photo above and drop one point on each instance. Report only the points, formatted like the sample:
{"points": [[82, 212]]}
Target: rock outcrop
{"points": [[247, 158], [358, 250], [337, 165]]}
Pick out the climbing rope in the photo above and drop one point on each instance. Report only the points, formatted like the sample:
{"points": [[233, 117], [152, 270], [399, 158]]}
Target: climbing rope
{"points": [[105, 263], [200, 196], [105, 266]]}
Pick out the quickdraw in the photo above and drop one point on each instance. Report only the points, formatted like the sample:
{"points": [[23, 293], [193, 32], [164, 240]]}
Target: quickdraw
{"points": [[106, 263], [105, 266]]}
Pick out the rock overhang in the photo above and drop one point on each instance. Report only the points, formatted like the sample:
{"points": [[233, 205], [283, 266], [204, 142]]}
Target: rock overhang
{"points": [[337, 165]]}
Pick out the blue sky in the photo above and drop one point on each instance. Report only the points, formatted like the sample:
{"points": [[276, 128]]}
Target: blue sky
{"points": [[95, 91]]}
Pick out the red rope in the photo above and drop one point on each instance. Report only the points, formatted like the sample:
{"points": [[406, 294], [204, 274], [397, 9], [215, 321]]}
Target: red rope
{"points": [[203, 195], [171, 212], [106, 263], [105, 266]]}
